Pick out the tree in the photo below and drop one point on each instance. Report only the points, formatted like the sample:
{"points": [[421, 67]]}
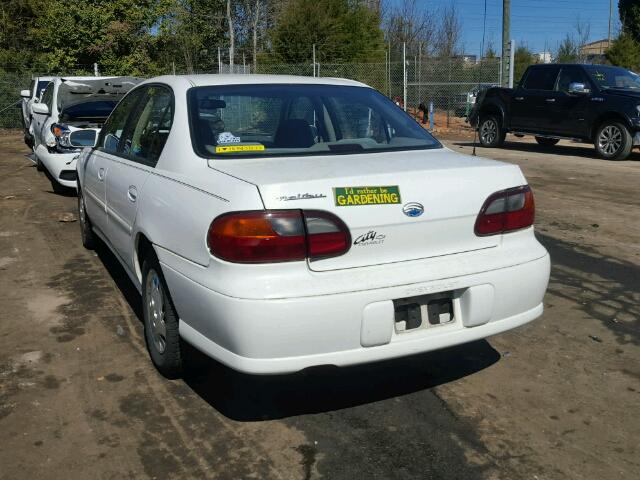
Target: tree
{"points": [[449, 33], [342, 30], [412, 24], [568, 51], [490, 51], [629, 11], [625, 52], [522, 59]]}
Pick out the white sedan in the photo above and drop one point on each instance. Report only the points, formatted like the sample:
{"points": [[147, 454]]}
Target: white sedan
{"points": [[278, 223], [67, 118]]}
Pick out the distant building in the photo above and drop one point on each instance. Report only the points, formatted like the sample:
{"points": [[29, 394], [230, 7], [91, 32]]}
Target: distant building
{"points": [[544, 57], [599, 47]]}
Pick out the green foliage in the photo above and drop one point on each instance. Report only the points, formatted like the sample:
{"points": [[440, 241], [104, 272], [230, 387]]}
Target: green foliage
{"points": [[625, 52], [630, 17], [522, 59], [342, 30], [568, 51]]}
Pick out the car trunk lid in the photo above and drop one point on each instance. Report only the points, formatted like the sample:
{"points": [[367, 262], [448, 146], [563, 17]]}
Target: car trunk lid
{"points": [[398, 206]]}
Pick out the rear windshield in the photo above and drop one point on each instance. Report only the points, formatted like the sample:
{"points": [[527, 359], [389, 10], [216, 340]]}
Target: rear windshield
{"points": [[88, 110], [284, 120]]}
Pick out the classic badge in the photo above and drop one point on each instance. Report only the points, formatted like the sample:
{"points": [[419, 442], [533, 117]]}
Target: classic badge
{"points": [[413, 209]]}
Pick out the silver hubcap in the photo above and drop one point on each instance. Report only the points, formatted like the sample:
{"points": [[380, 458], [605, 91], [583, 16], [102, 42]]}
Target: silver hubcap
{"points": [[610, 139], [489, 131], [156, 310]]}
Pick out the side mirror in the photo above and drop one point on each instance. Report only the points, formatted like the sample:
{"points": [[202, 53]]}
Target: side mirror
{"points": [[40, 108], [578, 88], [83, 138], [25, 93]]}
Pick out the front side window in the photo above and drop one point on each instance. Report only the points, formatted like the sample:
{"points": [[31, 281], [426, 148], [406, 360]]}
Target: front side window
{"points": [[570, 75], [144, 139], [47, 96], [282, 120], [111, 132], [541, 78], [41, 85]]}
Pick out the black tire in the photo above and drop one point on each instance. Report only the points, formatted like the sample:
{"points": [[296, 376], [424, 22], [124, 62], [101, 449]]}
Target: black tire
{"points": [[59, 189], [39, 165], [160, 321], [547, 142], [490, 131], [613, 141], [88, 237]]}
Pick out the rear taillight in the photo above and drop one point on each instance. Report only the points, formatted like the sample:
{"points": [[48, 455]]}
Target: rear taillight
{"points": [[267, 236], [506, 211]]}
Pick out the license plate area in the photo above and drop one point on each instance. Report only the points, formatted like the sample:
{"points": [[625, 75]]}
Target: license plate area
{"points": [[423, 312]]}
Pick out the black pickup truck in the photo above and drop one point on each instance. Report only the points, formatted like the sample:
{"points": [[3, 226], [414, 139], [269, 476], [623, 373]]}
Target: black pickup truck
{"points": [[587, 103]]}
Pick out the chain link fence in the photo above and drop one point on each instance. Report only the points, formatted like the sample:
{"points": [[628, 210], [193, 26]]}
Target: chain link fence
{"points": [[449, 84]]}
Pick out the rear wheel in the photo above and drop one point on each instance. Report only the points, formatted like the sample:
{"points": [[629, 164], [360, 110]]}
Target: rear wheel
{"points": [[547, 142], [613, 141], [490, 132], [160, 320], [88, 237]]}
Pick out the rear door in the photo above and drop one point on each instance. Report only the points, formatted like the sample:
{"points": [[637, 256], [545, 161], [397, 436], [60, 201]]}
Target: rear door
{"points": [[138, 153], [531, 103]]}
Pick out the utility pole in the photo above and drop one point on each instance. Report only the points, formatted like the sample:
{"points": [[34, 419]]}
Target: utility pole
{"points": [[610, 14], [506, 24], [314, 59], [404, 76], [219, 61]]}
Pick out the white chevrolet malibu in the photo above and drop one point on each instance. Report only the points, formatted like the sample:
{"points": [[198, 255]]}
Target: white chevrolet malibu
{"points": [[278, 223]]}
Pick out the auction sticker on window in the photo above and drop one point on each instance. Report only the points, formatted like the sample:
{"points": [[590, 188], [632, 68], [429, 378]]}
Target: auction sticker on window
{"points": [[239, 148], [350, 196]]}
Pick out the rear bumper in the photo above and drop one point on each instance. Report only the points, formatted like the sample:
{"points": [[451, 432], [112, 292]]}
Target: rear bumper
{"points": [[290, 334], [61, 166]]}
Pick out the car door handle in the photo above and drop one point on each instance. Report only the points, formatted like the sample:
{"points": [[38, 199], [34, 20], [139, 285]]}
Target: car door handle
{"points": [[101, 174], [519, 99], [550, 100], [132, 194]]}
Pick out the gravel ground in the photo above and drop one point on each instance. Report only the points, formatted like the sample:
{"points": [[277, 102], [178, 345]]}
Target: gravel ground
{"points": [[556, 399]]}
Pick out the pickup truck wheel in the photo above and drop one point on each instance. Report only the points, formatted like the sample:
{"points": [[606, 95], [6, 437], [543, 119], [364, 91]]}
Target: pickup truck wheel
{"points": [[491, 132], [547, 142], [613, 141], [160, 321], [88, 237]]}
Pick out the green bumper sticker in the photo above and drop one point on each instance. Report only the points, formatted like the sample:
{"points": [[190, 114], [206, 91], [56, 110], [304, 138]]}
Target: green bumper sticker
{"points": [[350, 196]]}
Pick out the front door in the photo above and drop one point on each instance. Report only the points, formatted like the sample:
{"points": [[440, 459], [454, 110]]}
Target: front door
{"points": [[138, 152], [98, 164], [570, 110]]}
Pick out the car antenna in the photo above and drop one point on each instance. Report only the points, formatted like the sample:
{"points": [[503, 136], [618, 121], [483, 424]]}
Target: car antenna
{"points": [[484, 30]]}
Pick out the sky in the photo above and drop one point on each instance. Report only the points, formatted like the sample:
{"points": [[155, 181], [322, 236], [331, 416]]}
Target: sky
{"points": [[534, 23]]}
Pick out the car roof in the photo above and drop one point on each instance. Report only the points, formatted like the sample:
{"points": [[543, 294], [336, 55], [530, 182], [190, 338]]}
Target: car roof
{"points": [[251, 79]]}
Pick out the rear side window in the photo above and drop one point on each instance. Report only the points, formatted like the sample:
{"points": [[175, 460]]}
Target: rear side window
{"points": [[541, 78], [147, 133], [112, 130]]}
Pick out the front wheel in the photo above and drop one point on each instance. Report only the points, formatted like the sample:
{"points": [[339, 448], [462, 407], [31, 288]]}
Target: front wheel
{"points": [[547, 142], [160, 321], [613, 141], [490, 132]]}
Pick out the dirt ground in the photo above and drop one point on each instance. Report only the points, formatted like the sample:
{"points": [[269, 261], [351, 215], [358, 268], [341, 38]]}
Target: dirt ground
{"points": [[556, 399]]}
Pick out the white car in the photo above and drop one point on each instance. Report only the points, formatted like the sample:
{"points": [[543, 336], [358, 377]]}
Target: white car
{"points": [[67, 118], [278, 223], [29, 97]]}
